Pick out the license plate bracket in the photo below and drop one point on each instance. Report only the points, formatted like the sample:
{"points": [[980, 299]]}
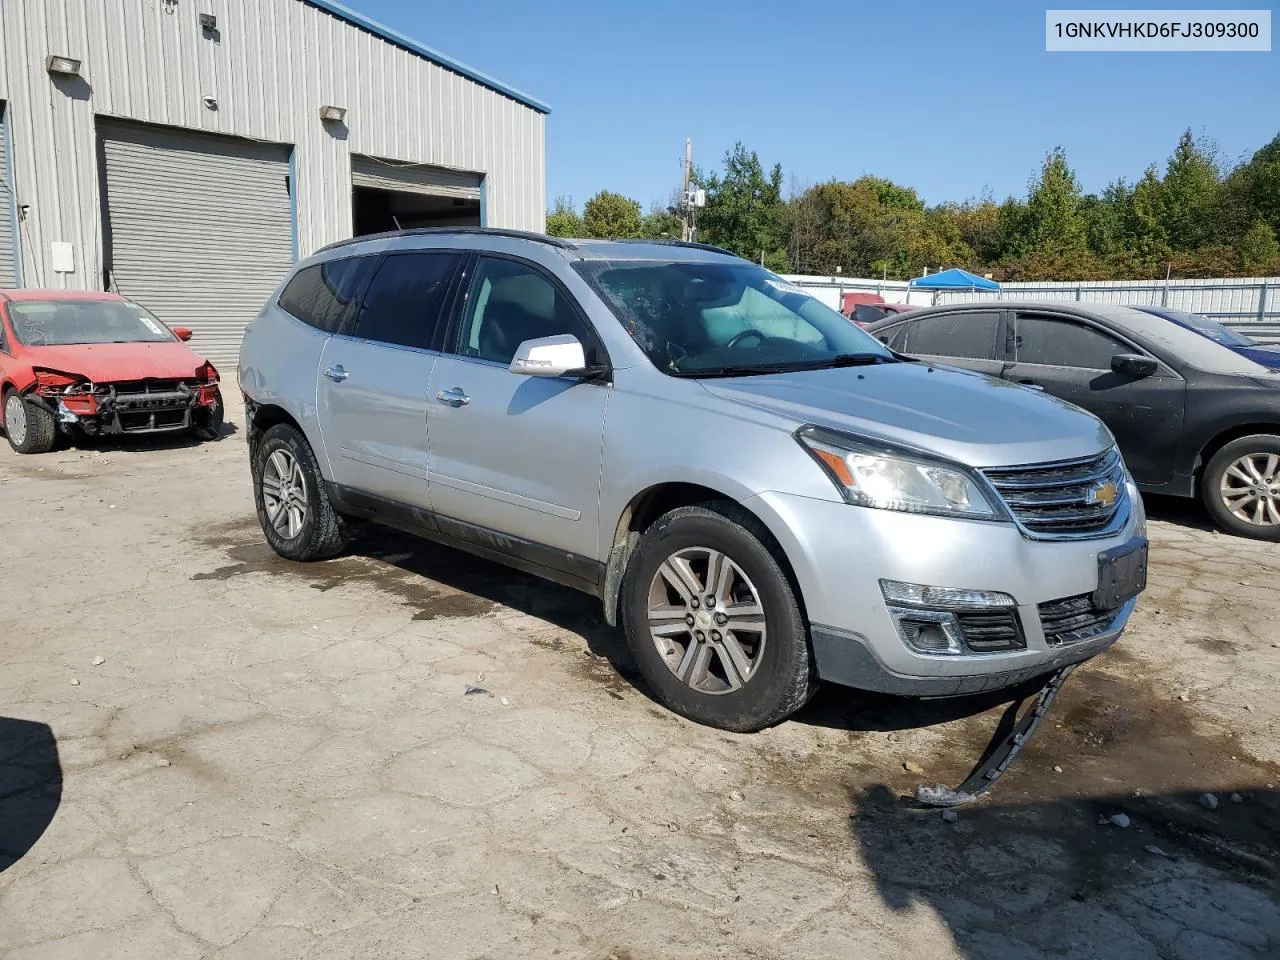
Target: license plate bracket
{"points": [[1122, 574]]}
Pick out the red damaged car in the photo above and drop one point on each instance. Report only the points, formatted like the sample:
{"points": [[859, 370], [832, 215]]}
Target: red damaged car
{"points": [[100, 364]]}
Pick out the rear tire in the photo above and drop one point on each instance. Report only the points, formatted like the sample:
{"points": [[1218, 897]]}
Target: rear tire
{"points": [[28, 427], [1241, 487], [296, 516], [697, 669]]}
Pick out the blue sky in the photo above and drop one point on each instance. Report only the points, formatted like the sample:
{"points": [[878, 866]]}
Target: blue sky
{"points": [[947, 97]]}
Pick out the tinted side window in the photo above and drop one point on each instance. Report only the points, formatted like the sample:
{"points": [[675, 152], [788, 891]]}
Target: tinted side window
{"points": [[321, 295], [405, 299], [511, 302], [867, 313], [1059, 342], [970, 336], [894, 337]]}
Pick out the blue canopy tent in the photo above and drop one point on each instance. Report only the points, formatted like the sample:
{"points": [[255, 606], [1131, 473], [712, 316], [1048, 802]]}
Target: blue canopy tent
{"points": [[953, 279]]}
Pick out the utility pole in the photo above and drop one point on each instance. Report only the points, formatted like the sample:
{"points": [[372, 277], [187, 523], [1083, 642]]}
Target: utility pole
{"points": [[687, 205]]}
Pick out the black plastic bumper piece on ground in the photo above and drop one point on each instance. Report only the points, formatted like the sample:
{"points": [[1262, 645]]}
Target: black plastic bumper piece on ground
{"points": [[1011, 735]]}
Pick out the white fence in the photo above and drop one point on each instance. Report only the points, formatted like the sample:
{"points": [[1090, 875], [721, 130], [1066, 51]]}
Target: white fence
{"points": [[1250, 305]]}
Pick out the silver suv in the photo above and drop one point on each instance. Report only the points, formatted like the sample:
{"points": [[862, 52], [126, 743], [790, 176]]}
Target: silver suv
{"points": [[761, 494]]}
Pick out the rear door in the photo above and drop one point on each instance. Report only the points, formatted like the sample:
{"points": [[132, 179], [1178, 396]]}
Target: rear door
{"points": [[508, 453], [1070, 358], [372, 383], [966, 338]]}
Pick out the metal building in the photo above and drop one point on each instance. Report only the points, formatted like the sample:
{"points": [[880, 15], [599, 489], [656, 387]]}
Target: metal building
{"points": [[186, 152]]}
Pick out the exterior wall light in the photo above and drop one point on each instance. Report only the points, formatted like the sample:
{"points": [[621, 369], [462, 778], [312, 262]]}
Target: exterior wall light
{"points": [[66, 66], [333, 114]]}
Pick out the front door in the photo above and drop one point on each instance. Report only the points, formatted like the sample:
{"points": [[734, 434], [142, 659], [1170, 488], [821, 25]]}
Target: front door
{"points": [[509, 453], [1071, 359], [372, 382]]}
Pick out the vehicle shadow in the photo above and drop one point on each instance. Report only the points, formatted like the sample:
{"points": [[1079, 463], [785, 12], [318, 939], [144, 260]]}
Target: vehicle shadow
{"points": [[30, 786], [835, 708], [145, 442], [1166, 877], [1183, 511], [497, 584]]}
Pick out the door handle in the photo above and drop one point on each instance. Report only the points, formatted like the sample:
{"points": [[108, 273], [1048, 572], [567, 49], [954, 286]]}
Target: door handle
{"points": [[336, 373], [456, 397]]}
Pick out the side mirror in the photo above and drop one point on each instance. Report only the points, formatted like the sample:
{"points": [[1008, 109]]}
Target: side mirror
{"points": [[558, 356], [1133, 365], [182, 333]]}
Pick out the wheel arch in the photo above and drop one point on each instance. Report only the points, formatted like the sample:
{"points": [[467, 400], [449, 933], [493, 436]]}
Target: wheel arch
{"points": [[652, 502], [1222, 438]]}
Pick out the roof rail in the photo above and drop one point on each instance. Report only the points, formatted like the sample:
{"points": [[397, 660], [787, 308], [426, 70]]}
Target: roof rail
{"points": [[445, 231], [683, 243]]}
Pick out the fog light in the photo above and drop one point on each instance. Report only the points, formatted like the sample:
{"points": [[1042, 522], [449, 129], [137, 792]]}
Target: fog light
{"points": [[945, 598], [928, 631]]}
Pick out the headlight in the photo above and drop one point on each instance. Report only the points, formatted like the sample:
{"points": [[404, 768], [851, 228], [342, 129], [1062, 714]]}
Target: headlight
{"points": [[871, 475]]}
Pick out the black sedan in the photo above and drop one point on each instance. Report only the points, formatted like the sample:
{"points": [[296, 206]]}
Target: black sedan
{"points": [[1191, 416]]}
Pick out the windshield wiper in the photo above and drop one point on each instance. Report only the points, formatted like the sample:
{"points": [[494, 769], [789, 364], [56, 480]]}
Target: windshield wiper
{"points": [[731, 371], [842, 360]]}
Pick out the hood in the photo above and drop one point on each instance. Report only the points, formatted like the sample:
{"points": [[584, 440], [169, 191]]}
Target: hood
{"points": [[1269, 357], [108, 362], [956, 414]]}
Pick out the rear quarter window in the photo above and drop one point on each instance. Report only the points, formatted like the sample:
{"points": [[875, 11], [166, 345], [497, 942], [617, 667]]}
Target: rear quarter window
{"points": [[321, 295]]}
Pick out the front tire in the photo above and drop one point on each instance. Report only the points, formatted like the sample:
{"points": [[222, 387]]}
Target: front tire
{"points": [[28, 427], [713, 621], [1241, 487], [296, 516]]}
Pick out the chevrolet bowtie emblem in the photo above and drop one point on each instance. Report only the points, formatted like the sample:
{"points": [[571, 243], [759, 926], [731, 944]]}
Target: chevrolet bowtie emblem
{"points": [[1104, 494]]}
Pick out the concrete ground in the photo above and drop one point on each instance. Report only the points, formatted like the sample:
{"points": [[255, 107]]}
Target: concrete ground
{"points": [[206, 751]]}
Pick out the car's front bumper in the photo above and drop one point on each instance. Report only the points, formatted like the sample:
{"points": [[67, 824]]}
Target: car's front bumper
{"points": [[132, 408], [840, 554]]}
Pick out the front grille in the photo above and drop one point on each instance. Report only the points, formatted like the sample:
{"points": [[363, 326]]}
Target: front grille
{"points": [[1067, 499], [988, 630], [1073, 620]]}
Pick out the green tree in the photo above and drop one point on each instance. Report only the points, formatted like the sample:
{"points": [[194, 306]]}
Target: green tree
{"points": [[1010, 238], [563, 219], [1260, 250], [744, 211], [611, 215], [977, 221], [1107, 218], [1191, 195], [662, 222], [1054, 222], [1253, 191]]}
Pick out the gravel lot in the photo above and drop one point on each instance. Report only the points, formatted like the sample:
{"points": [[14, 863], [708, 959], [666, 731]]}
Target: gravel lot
{"points": [[206, 751]]}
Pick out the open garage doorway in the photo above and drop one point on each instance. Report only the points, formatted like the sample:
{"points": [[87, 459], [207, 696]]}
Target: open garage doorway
{"points": [[390, 196]]}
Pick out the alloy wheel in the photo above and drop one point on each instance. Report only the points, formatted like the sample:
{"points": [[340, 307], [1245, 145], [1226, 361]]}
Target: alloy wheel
{"points": [[15, 419], [284, 493], [707, 620], [1250, 489]]}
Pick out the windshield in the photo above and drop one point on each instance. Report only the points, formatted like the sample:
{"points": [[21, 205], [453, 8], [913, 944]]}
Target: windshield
{"points": [[1208, 328], [53, 323], [726, 319]]}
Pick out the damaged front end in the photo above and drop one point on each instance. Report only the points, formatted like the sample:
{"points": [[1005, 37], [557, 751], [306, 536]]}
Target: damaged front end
{"points": [[133, 407]]}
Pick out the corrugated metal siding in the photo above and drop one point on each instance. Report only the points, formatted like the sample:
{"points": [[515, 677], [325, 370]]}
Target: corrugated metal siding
{"points": [[8, 254], [275, 64], [199, 228], [432, 181]]}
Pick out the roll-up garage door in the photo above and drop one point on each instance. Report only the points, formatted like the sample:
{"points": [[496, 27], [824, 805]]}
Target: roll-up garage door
{"points": [[199, 228], [8, 254], [414, 178]]}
